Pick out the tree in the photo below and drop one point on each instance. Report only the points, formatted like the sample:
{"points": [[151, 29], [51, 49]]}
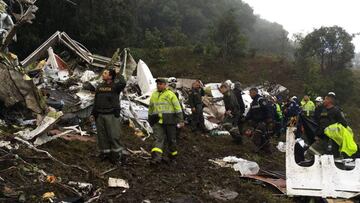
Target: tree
{"points": [[330, 46], [227, 36], [153, 43]]}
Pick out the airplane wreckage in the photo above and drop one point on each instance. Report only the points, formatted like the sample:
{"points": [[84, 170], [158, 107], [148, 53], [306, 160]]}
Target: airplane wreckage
{"points": [[57, 87]]}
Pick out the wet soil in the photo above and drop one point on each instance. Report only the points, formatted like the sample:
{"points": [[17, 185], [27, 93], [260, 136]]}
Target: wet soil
{"points": [[189, 179]]}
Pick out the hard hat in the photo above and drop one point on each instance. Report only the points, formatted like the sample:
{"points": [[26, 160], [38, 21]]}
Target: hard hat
{"points": [[294, 97], [319, 99], [172, 80], [332, 93]]}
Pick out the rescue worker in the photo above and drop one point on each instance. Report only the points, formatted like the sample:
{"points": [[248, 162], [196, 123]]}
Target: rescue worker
{"points": [[278, 118], [238, 93], [257, 117], [291, 111], [172, 86], [307, 106], [318, 108], [196, 105], [330, 114], [232, 112], [106, 112], [165, 115], [318, 101]]}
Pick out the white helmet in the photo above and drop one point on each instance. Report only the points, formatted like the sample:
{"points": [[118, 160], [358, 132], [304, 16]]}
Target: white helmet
{"points": [[319, 99], [172, 80], [332, 93]]}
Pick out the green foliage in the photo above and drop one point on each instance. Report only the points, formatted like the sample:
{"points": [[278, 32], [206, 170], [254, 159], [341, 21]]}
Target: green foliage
{"points": [[228, 38], [153, 44], [103, 26], [330, 46]]}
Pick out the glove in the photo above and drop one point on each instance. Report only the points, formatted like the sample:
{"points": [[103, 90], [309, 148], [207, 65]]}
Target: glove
{"points": [[153, 119], [117, 113]]}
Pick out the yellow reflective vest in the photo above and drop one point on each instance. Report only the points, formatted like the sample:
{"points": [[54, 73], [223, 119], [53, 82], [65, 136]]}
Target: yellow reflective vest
{"points": [[344, 137], [278, 111], [166, 105], [308, 107]]}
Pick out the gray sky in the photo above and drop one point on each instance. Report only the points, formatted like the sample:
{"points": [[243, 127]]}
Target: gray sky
{"points": [[302, 16]]}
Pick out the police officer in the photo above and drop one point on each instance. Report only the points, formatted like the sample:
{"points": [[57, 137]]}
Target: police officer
{"points": [[330, 114], [196, 105], [106, 112], [307, 106], [257, 118], [165, 115]]}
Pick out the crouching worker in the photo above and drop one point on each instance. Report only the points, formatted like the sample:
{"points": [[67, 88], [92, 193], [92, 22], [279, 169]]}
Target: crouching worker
{"points": [[165, 115], [257, 119], [232, 113], [333, 136], [106, 113]]}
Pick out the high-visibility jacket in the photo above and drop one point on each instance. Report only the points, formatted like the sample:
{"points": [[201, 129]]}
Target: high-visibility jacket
{"points": [[308, 107], [166, 106], [278, 111], [344, 137]]}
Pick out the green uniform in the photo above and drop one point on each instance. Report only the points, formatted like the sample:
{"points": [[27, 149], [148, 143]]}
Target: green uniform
{"points": [[164, 113], [107, 112]]}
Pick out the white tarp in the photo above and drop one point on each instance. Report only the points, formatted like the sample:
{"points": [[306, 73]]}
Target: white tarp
{"points": [[145, 78]]}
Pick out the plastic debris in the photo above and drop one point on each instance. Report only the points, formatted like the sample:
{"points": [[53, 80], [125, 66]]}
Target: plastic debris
{"points": [[117, 182], [51, 179], [48, 195], [281, 146], [219, 133], [85, 188], [7, 145], [88, 75], [244, 166]]}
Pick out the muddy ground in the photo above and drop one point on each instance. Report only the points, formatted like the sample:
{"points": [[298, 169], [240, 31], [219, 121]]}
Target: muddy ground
{"points": [[190, 179]]}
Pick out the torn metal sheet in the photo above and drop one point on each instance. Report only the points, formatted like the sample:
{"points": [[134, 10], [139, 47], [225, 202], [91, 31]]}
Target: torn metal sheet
{"points": [[43, 139], [184, 83], [278, 183], [145, 78], [322, 179], [58, 37], [212, 89], [45, 124], [18, 88], [140, 111], [86, 98], [54, 69]]}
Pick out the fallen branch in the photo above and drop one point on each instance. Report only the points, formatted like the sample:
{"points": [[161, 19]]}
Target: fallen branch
{"points": [[48, 154], [108, 171]]}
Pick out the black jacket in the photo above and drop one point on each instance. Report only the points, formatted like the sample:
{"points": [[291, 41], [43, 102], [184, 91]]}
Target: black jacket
{"points": [[195, 97], [107, 97], [258, 110], [330, 116], [238, 94]]}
